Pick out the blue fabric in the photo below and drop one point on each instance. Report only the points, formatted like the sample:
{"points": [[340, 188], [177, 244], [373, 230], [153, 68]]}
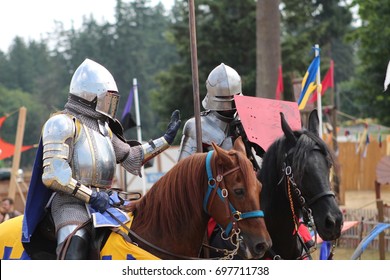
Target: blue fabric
{"points": [[325, 250], [37, 197], [105, 219]]}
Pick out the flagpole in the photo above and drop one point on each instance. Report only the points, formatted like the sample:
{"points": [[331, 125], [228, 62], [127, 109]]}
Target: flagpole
{"points": [[139, 131], [319, 89], [17, 153]]}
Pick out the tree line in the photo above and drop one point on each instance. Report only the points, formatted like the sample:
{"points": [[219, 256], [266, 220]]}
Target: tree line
{"points": [[152, 44]]}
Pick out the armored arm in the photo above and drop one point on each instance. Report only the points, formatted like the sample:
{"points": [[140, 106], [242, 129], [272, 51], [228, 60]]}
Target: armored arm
{"points": [[57, 137], [188, 144], [132, 158]]}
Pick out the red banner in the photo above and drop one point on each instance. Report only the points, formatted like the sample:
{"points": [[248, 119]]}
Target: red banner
{"points": [[2, 119], [7, 149], [279, 85], [327, 82]]}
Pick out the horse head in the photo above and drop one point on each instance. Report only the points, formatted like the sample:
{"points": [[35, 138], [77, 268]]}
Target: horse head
{"points": [[308, 165], [233, 200]]}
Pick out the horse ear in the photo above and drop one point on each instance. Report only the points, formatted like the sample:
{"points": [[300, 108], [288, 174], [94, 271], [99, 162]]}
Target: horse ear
{"points": [[239, 145], [288, 132], [220, 153], [313, 123]]}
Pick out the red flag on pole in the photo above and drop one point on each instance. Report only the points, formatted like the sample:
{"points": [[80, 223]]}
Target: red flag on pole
{"points": [[279, 85], [8, 149], [327, 82], [2, 119]]}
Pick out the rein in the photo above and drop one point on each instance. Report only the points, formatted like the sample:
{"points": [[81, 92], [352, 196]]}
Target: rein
{"points": [[132, 234]]}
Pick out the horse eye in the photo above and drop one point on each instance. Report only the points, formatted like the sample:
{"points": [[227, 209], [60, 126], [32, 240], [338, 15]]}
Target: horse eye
{"points": [[239, 192]]}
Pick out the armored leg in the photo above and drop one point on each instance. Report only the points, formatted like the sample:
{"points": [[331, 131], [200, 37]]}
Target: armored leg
{"points": [[77, 247]]}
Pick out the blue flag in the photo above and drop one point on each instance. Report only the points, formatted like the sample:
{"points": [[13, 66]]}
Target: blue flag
{"points": [[309, 82]]}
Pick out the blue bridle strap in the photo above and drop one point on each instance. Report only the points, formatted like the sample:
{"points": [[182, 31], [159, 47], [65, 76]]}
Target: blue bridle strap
{"points": [[211, 186], [210, 180]]}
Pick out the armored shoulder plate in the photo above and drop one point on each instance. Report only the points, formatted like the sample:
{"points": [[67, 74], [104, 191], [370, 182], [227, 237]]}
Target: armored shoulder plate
{"points": [[58, 128]]}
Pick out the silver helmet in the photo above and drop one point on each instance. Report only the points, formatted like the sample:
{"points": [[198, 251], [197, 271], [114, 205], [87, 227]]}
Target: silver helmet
{"points": [[96, 86], [222, 84]]}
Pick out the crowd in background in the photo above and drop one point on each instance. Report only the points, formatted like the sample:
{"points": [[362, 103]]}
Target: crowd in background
{"points": [[7, 210]]}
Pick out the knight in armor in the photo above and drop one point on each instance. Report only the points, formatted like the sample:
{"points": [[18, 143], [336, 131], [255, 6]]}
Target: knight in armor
{"points": [[217, 122], [220, 124], [81, 147]]}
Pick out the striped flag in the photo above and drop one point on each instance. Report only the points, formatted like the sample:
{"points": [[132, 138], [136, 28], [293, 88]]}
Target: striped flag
{"points": [[309, 83]]}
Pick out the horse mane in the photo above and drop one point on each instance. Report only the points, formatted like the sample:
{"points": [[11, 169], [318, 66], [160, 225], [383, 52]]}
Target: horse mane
{"points": [[174, 196], [306, 141]]}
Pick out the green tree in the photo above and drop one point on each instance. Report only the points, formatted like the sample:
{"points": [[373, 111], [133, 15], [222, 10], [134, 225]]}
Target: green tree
{"points": [[10, 103], [309, 22], [373, 39]]}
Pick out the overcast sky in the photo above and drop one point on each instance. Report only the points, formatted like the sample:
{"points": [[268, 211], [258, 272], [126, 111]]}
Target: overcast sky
{"points": [[33, 19]]}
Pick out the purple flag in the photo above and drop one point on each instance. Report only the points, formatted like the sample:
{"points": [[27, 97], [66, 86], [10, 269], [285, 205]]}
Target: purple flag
{"points": [[127, 119]]}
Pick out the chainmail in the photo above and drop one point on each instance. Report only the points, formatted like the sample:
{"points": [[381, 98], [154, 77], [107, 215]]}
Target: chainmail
{"points": [[68, 210]]}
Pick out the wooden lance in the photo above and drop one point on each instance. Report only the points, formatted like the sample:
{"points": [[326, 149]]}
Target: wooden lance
{"points": [[195, 76]]}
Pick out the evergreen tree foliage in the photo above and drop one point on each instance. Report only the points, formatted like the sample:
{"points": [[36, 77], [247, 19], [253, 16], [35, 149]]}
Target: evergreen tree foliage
{"points": [[373, 39], [10, 103]]}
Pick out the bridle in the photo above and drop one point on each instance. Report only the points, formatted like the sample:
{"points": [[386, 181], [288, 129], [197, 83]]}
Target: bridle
{"points": [[216, 186], [293, 191]]}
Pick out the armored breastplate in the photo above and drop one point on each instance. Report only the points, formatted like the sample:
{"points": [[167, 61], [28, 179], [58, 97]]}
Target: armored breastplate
{"points": [[93, 161], [215, 129]]}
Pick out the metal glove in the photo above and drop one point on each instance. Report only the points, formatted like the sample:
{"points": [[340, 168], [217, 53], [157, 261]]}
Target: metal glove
{"points": [[100, 201], [173, 127]]}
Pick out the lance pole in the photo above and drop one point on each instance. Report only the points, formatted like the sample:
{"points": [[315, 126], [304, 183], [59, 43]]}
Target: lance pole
{"points": [[195, 76]]}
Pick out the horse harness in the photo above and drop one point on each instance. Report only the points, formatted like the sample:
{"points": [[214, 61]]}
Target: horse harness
{"points": [[292, 189], [216, 186]]}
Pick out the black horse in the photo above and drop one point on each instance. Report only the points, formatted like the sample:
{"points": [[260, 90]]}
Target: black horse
{"points": [[296, 189]]}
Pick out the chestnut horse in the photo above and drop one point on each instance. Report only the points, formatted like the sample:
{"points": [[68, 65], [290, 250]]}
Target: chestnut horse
{"points": [[170, 221]]}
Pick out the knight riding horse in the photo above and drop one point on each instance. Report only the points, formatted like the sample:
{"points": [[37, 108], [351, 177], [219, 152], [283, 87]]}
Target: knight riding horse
{"points": [[76, 161]]}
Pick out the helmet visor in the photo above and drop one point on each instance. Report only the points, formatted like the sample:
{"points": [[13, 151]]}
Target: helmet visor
{"points": [[108, 104]]}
